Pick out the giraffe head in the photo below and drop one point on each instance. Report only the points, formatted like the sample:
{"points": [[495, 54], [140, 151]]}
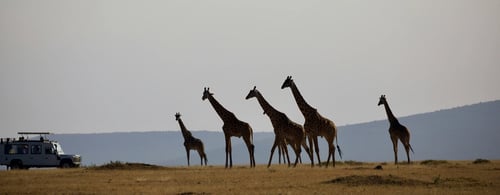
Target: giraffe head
{"points": [[252, 93], [288, 82], [177, 116], [206, 93], [382, 100]]}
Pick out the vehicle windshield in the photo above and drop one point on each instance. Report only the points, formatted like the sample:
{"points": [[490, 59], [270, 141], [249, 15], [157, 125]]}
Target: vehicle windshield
{"points": [[58, 148]]}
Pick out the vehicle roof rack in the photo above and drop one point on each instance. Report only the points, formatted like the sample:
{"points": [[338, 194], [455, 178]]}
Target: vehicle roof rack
{"points": [[33, 133]]}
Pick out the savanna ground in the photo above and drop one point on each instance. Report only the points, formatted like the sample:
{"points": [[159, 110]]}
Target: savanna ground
{"points": [[424, 177]]}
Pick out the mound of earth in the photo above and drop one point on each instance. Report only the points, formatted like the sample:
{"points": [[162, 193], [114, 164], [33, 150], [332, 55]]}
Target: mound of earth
{"points": [[126, 166], [358, 180]]}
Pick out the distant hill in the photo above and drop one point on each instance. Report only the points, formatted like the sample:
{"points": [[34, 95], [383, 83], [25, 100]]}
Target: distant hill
{"points": [[466, 132]]}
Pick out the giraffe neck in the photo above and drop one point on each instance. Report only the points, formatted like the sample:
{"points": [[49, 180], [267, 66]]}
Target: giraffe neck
{"points": [[304, 107], [185, 133], [268, 109], [223, 113], [390, 116]]}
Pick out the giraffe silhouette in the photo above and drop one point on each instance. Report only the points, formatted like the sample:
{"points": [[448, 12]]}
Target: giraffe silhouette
{"points": [[233, 127], [190, 142], [285, 130], [315, 125], [396, 131]]}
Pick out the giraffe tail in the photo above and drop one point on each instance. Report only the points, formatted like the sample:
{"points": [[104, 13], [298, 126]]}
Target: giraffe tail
{"points": [[411, 150], [340, 151], [338, 147]]}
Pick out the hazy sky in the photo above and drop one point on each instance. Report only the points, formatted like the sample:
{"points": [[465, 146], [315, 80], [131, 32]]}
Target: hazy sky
{"points": [[107, 66]]}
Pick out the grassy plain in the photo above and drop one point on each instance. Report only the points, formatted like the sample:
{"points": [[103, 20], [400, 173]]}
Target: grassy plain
{"points": [[429, 177]]}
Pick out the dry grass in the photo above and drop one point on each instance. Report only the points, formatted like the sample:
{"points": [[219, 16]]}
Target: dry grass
{"points": [[455, 177]]}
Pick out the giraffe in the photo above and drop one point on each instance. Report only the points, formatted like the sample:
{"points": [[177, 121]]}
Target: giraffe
{"points": [[232, 127], [190, 142], [315, 125], [286, 131], [396, 131]]}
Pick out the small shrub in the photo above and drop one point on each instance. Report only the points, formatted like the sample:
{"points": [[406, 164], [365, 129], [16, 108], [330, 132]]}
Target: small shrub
{"points": [[481, 161]]}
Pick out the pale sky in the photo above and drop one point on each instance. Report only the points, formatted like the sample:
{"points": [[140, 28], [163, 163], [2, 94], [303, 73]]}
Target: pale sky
{"points": [[110, 66]]}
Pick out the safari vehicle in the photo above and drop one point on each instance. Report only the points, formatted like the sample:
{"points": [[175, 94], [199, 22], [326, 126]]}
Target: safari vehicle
{"points": [[25, 153]]}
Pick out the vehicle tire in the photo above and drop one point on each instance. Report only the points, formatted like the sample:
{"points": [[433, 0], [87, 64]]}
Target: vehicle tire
{"points": [[16, 164], [66, 164]]}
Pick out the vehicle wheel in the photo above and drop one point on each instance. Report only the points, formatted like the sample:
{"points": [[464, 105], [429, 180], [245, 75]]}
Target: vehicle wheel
{"points": [[66, 165], [16, 164]]}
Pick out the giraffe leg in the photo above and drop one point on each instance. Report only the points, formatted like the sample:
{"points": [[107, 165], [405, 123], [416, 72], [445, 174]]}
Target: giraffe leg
{"points": [[300, 158], [187, 154], [333, 154], [407, 148], [200, 153], [394, 140], [205, 157], [316, 148], [250, 148], [283, 156], [230, 152], [285, 148], [279, 155], [272, 151], [253, 155], [329, 156], [330, 153], [306, 148], [284, 153], [311, 148], [406, 143], [228, 148], [297, 154]]}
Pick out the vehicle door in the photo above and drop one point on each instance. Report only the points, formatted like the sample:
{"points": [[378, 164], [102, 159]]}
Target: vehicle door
{"points": [[37, 157], [21, 151], [48, 156]]}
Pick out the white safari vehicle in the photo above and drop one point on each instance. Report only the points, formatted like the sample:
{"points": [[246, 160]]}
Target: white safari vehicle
{"points": [[24, 153]]}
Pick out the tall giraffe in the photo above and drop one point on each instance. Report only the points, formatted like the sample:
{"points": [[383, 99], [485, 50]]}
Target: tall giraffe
{"points": [[315, 125], [190, 142], [396, 131], [285, 130], [232, 127]]}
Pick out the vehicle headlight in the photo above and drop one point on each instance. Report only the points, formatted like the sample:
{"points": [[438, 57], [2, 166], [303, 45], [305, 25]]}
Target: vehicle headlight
{"points": [[77, 159]]}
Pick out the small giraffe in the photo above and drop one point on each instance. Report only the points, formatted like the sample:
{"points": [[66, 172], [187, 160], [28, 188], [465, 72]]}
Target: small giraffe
{"points": [[396, 131], [286, 130], [315, 125], [190, 142], [232, 127]]}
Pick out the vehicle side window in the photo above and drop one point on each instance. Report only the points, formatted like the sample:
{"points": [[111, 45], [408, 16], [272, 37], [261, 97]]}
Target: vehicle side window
{"points": [[36, 149], [7, 149], [22, 149], [49, 150], [16, 149]]}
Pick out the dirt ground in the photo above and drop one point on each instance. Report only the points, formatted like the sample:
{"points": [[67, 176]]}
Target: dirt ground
{"points": [[428, 177]]}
